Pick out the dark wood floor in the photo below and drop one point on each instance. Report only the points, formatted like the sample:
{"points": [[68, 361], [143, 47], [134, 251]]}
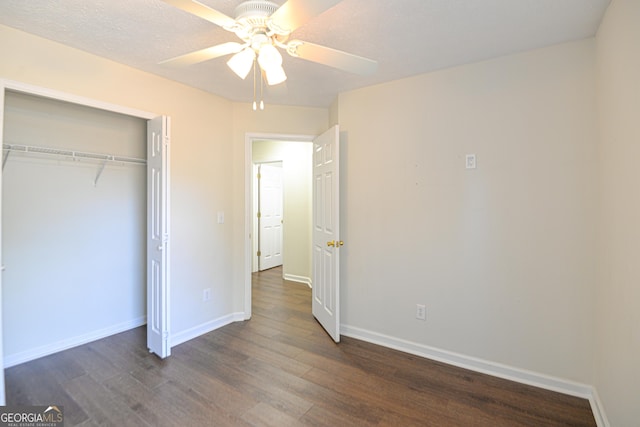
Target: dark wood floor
{"points": [[278, 369]]}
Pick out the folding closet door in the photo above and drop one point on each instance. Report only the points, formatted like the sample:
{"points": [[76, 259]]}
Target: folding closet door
{"points": [[74, 224]]}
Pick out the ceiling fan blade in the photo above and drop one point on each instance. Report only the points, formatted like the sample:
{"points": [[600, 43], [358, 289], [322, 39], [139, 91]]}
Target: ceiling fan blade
{"points": [[332, 57], [205, 12], [205, 54], [294, 13]]}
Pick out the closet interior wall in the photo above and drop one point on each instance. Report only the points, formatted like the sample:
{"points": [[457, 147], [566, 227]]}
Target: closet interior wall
{"points": [[74, 248]]}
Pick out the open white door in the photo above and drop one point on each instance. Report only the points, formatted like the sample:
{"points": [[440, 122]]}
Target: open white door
{"points": [[326, 232], [270, 216], [158, 236]]}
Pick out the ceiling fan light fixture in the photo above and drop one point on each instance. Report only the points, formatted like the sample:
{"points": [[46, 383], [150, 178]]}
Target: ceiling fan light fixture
{"points": [[269, 57], [241, 62], [270, 61], [275, 75]]}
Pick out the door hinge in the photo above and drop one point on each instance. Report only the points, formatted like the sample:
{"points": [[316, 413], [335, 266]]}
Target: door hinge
{"points": [[259, 176], [259, 215], [259, 253]]}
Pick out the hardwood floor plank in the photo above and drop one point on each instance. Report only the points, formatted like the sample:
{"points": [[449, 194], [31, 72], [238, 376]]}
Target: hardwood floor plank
{"points": [[278, 369], [100, 404], [263, 415], [36, 383]]}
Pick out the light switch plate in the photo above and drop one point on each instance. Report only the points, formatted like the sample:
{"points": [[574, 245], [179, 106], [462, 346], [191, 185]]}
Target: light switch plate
{"points": [[470, 161], [220, 217]]}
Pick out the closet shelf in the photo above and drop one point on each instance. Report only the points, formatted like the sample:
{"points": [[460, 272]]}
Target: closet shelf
{"points": [[71, 154]]}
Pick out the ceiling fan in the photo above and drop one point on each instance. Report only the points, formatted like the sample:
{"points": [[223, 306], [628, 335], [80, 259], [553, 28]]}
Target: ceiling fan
{"points": [[263, 27]]}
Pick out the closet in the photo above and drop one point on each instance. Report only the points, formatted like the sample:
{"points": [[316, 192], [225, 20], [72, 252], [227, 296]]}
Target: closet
{"points": [[74, 221]]}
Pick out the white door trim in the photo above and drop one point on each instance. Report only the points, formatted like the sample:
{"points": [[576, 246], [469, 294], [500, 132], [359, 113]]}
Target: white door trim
{"points": [[249, 138], [29, 89]]}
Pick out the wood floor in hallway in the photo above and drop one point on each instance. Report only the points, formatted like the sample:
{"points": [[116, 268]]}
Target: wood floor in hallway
{"points": [[278, 369]]}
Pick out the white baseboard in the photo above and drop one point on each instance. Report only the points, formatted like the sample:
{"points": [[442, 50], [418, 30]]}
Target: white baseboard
{"points": [[196, 331], [45, 350], [486, 367], [598, 409], [299, 279]]}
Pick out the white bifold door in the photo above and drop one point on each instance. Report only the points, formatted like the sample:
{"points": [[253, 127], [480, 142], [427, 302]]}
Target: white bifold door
{"points": [[158, 236], [326, 232]]}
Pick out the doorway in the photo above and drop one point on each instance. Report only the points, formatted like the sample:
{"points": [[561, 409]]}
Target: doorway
{"points": [[153, 125], [294, 152], [324, 226]]}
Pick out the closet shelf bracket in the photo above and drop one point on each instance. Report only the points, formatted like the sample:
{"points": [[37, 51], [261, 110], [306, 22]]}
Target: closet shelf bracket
{"points": [[5, 158], [104, 163]]}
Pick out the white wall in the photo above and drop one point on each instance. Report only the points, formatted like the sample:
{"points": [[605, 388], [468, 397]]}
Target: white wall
{"points": [[503, 256], [75, 253], [201, 149], [618, 298], [297, 177]]}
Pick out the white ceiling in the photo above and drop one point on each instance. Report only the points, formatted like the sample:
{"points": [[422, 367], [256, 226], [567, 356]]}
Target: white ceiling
{"points": [[406, 37]]}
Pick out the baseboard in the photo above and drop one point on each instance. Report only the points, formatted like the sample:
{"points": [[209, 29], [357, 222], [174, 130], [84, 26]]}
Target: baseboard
{"points": [[598, 409], [486, 367], [299, 279], [45, 350], [196, 331]]}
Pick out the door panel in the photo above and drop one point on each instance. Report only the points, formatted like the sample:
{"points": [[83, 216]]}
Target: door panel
{"points": [[271, 216], [326, 232], [158, 237]]}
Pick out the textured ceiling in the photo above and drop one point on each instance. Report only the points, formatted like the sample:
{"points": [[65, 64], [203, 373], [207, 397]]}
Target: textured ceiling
{"points": [[406, 37]]}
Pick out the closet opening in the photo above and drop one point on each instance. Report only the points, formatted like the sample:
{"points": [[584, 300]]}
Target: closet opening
{"points": [[78, 213], [73, 221]]}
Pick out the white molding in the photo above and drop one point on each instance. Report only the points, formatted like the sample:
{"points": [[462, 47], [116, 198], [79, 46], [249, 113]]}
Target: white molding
{"points": [[45, 350], [74, 99], [511, 373], [598, 409], [299, 279], [212, 325]]}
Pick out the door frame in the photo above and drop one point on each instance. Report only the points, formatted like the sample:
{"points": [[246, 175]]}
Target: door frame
{"points": [[248, 202], [25, 88]]}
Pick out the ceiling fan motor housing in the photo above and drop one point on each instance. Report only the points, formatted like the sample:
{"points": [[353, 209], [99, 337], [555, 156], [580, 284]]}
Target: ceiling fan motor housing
{"points": [[255, 9], [252, 17]]}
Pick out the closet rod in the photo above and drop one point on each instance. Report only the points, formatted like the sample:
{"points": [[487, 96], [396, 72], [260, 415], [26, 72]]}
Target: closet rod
{"points": [[69, 153]]}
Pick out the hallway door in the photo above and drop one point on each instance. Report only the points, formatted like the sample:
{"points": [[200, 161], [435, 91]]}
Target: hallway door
{"points": [[270, 216], [326, 232]]}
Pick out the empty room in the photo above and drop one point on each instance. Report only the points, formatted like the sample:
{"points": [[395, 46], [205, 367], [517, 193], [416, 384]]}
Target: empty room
{"points": [[154, 272]]}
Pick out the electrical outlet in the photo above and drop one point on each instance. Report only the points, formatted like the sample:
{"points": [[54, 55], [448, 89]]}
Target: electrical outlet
{"points": [[421, 312], [206, 295]]}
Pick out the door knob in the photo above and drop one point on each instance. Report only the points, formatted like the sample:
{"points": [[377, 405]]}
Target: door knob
{"points": [[332, 243]]}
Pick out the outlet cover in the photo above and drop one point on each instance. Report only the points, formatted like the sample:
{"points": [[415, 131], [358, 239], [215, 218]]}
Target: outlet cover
{"points": [[421, 312], [206, 295]]}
